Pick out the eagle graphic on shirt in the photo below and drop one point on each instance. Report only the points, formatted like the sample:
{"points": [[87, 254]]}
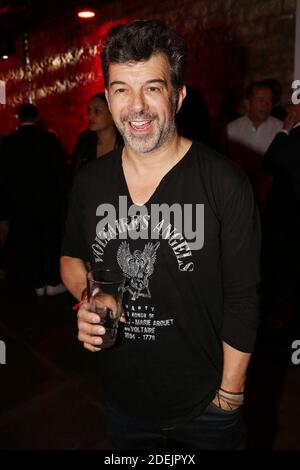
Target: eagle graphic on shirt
{"points": [[138, 267]]}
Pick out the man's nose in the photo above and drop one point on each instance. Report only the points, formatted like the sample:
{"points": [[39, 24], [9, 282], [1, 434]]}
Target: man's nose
{"points": [[266, 104], [138, 102]]}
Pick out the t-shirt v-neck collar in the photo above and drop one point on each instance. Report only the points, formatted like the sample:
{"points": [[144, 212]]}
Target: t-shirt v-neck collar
{"points": [[123, 183]]}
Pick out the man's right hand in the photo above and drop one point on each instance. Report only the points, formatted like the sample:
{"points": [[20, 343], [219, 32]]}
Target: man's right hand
{"points": [[89, 330]]}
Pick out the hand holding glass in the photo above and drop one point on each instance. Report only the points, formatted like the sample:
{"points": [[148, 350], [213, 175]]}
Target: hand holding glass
{"points": [[104, 293]]}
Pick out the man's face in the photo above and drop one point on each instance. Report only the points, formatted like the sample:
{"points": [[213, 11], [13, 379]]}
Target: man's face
{"points": [[259, 105], [142, 102]]}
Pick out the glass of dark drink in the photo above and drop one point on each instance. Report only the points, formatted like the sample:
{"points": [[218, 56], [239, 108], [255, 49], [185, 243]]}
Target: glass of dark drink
{"points": [[105, 289]]}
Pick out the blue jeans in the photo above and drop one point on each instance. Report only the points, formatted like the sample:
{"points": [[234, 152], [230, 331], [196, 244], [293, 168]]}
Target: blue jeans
{"points": [[213, 429]]}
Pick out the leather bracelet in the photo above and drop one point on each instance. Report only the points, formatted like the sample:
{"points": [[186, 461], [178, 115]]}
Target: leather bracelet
{"points": [[234, 399], [231, 393], [229, 403]]}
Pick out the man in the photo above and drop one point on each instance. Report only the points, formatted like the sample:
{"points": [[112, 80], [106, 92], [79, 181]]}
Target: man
{"points": [[32, 177], [249, 137], [191, 319], [282, 224]]}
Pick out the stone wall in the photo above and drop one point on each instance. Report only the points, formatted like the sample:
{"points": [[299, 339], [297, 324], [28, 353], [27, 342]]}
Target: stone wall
{"points": [[230, 42]]}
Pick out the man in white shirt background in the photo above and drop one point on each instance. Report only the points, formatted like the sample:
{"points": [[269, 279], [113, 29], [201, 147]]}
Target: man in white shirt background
{"points": [[249, 137]]}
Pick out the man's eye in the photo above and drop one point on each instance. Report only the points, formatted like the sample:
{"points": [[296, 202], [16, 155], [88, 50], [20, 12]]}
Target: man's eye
{"points": [[153, 88], [119, 90]]}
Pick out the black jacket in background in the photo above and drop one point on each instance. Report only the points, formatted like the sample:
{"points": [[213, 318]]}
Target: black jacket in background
{"points": [[32, 173], [85, 150], [282, 160]]}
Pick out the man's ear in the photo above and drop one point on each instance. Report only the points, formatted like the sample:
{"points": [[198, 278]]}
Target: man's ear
{"points": [[181, 96], [107, 98]]}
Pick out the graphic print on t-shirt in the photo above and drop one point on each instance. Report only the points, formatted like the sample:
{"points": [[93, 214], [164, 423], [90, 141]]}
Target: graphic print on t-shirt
{"points": [[137, 267], [142, 323], [144, 320], [137, 240]]}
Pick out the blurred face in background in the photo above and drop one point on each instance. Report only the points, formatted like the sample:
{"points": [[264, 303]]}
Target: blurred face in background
{"points": [[259, 104], [99, 115]]}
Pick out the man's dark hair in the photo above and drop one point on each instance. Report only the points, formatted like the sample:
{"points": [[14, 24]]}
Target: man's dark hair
{"points": [[258, 84], [137, 41], [27, 112]]}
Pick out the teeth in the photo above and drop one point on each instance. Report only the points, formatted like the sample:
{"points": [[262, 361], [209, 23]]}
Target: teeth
{"points": [[139, 123]]}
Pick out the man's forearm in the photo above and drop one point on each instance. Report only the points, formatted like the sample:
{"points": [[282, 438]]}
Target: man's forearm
{"points": [[234, 369], [73, 274]]}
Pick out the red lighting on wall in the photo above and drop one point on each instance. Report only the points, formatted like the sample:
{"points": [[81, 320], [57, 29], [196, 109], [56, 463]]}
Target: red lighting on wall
{"points": [[4, 9], [86, 14]]}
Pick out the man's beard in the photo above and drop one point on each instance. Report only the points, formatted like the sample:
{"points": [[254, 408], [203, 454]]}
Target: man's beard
{"points": [[148, 142]]}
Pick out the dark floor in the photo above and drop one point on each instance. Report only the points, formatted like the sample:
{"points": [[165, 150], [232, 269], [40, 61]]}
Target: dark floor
{"points": [[51, 394]]}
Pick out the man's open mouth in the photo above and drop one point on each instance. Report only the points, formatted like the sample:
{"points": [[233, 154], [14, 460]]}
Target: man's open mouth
{"points": [[140, 125]]}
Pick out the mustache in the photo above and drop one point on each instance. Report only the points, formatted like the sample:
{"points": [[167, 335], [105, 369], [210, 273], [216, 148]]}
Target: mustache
{"points": [[140, 116]]}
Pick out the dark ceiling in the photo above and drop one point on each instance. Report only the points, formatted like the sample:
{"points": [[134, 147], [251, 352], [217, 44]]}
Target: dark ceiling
{"points": [[19, 16]]}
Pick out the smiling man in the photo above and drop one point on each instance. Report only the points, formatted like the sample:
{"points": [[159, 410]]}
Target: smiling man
{"points": [[144, 108], [176, 375]]}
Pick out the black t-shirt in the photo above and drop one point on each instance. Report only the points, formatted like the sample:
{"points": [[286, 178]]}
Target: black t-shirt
{"points": [[184, 293]]}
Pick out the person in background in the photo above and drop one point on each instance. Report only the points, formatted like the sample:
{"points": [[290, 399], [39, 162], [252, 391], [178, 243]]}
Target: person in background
{"points": [[248, 137], [281, 226], [33, 181], [192, 119], [101, 137]]}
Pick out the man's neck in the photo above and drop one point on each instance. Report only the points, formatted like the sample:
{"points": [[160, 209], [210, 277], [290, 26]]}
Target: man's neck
{"points": [[158, 160], [255, 122], [143, 172]]}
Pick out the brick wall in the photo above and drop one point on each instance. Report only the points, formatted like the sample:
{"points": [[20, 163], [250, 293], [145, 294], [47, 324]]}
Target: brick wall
{"points": [[230, 42]]}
